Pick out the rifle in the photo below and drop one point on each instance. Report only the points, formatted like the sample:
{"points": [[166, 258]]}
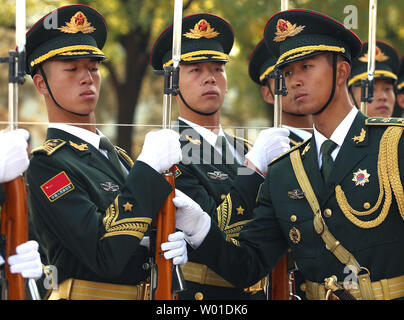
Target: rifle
{"points": [[14, 213], [280, 274], [166, 280], [367, 84]]}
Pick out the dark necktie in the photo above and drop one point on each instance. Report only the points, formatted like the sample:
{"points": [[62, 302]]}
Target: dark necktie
{"points": [[327, 148], [105, 144], [227, 156]]}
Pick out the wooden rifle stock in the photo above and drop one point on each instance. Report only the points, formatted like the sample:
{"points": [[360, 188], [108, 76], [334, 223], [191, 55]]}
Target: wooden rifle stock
{"points": [[14, 226], [165, 225], [280, 280]]}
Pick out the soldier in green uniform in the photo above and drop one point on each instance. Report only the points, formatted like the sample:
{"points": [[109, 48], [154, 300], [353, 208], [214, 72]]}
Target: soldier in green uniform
{"points": [[335, 200], [212, 171], [260, 70], [385, 78], [91, 204], [399, 109], [13, 163]]}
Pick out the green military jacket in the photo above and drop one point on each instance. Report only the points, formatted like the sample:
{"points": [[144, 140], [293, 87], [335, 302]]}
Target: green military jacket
{"points": [[365, 218], [90, 219], [226, 193]]}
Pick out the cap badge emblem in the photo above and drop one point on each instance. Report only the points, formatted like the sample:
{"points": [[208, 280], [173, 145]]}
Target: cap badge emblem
{"points": [[202, 30], [380, 56], [286, 29], [78, 23]]}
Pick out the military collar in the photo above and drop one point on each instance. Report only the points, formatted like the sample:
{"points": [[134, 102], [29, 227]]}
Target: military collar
{"points": [[303, 134], [338, 136], [206, 134], [86, 135]]}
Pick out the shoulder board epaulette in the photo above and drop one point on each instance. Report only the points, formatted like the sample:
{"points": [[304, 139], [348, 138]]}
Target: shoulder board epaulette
{"points": [[125, 155], [290, 150], [49, 146], [378, 121]]}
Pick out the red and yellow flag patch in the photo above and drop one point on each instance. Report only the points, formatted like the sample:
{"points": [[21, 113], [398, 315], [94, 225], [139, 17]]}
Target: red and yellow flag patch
{"points": [[57, 186]]}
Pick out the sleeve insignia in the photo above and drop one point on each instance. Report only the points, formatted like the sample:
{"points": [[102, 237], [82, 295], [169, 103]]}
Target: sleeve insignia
{"points": [[58, 186], [224, 215], [114, 226]]}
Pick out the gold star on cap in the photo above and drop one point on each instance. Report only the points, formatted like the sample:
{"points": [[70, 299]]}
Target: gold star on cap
{"points": [[240, 210], [128, 206]]}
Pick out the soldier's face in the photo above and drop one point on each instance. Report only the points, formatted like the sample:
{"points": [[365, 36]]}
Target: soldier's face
{"points": [[75, 83], [203, 85], [309, 83], [383, 98], [287, 104]]}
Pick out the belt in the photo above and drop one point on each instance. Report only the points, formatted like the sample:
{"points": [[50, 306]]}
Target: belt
{"points": [[200, 273], [75, 289], [385, 289]]}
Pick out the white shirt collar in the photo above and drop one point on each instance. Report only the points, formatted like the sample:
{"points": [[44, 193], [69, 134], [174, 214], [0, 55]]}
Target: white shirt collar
{"points": [[211, 138], [299, 132], [338, 136], [86, 135], [206, 134]]}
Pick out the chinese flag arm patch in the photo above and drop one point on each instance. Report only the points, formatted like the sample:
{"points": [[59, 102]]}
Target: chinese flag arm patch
{"points": [[57, 186]]}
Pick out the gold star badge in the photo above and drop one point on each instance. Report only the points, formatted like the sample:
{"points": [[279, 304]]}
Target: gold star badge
{"points": [[127, 206], [240, 210], [361, 177]]}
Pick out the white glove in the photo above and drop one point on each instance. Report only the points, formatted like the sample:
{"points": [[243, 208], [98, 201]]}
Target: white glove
{"points": [[161, 149], [271, 143], [13, 154], [1, 260], [191, 219], [27, 260], [176, 248]]}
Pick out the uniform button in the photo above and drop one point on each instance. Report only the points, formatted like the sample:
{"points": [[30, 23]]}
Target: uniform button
{"points": [[366, 205], [199, 296], [327, 213], [293, 218], [223, 196]]}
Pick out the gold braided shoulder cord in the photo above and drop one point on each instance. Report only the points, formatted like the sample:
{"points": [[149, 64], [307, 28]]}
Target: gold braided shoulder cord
{"points": [[389, 178], [394, 171]]}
